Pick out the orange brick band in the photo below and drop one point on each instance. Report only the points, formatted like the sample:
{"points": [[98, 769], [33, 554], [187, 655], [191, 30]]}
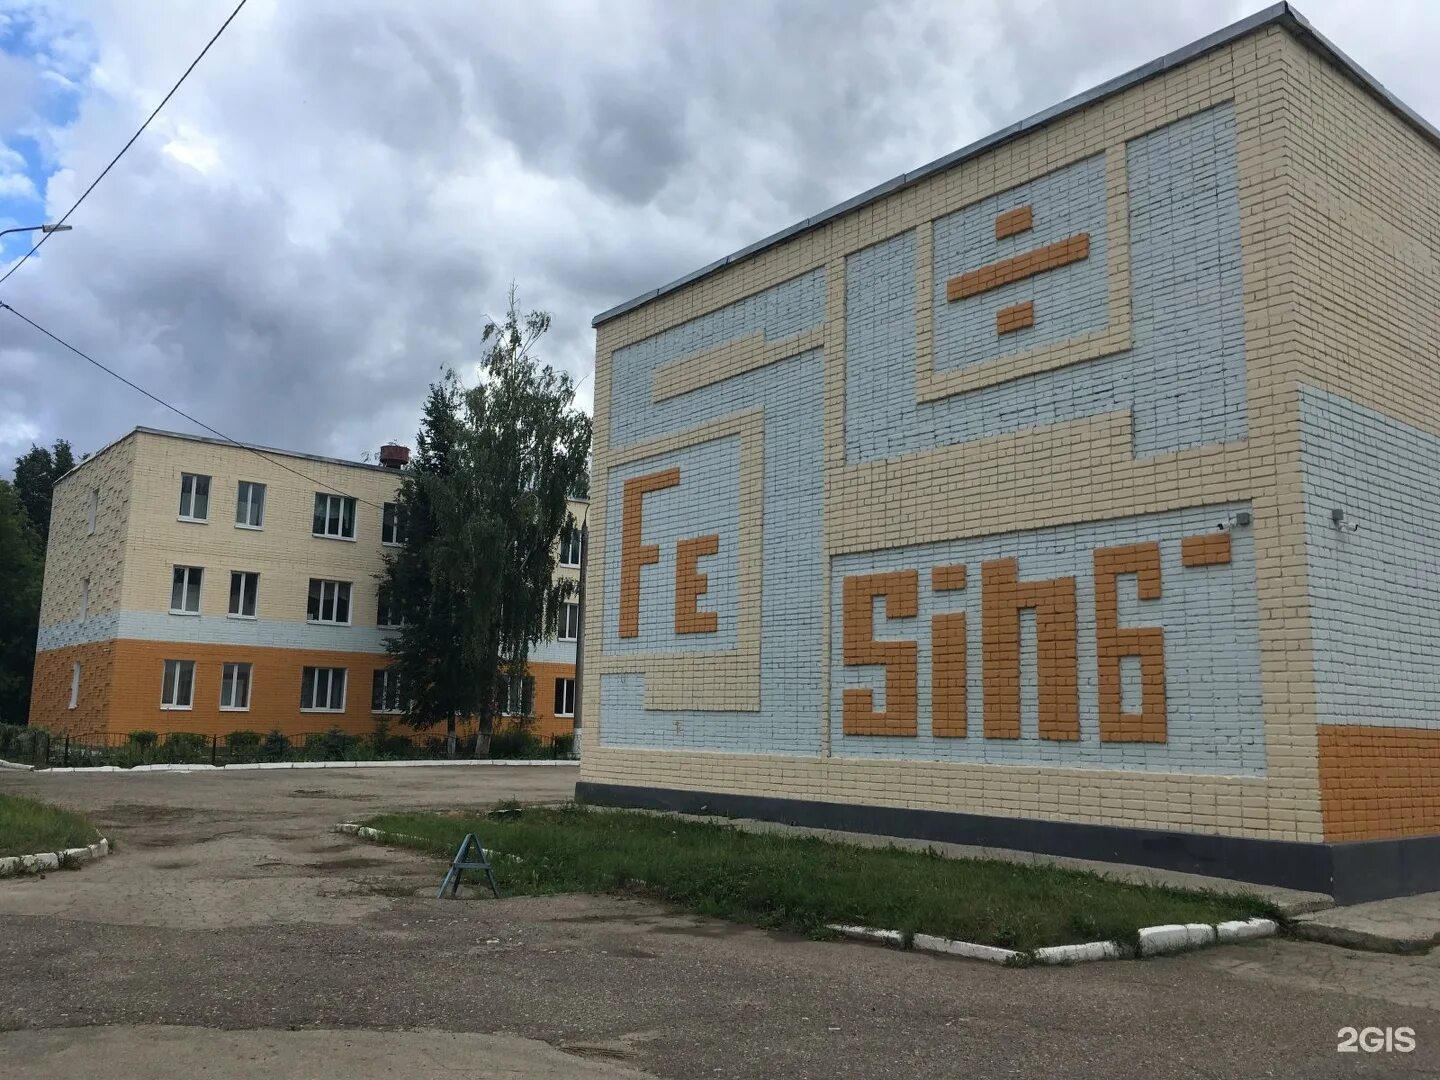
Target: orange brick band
{"points": [[1005, 272], [1013, 222], [634, 555], [947, 578], [691, 584], [1002, 598], [1019, 317], [1379, 781], [1113, 643], [901, 590], [1208, 549]]}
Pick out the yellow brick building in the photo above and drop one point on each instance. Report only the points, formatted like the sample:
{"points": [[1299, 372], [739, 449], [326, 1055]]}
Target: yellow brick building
{"points": [[1075, 492], [201, 586]]}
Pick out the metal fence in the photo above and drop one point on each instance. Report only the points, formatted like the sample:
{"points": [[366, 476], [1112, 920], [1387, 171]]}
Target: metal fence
{"points": [[46, 749]]}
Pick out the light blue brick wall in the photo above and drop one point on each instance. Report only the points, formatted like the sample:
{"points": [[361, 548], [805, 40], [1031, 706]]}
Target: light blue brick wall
{"points": [[1184, 380], [1212, 649], [1374, 592], [707, 501], [792, 578], [1069, 301]]}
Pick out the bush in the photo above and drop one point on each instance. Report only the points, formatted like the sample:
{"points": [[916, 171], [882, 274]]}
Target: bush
{"points": [[275, 746], [335, 744], [384, 744], [515, 741], [242, 740], [564, 745], [143, 740]]}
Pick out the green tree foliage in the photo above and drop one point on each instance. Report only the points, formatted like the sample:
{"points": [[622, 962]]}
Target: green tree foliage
{"points": [[483, 502], [22, 569], [35, 474]]}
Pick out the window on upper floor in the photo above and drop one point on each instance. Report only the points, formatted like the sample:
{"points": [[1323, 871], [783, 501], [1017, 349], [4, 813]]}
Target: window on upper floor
{"points": [[322, 689], [569, 629], [84, 598], [249, 505], [74, 684], [570, 546], [194, 497], [178, 689], [334, 516], [185, 590], [392, 527], [244, 593], [329, 602], [235, 688], [94, 511], [385, 692], [388, 614], [517, 696], [564, 697]]}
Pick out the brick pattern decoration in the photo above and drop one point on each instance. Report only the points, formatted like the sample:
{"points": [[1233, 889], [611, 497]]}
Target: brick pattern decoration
{"points": [[691, 585], [1004, 597], [1014, 222], [1019, 267], [949, 675], [1114, 643], [1211, 549], [1016, 317], [634, 555], [901, 593], [1379, 781]]}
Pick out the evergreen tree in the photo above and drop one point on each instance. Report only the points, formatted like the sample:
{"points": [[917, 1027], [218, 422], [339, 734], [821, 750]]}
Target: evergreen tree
{"points": [[36, 472], [22, 569], [484, 502]]}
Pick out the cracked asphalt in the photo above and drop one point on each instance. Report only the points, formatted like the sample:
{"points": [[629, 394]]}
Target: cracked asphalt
{"points": [[233, 935]]}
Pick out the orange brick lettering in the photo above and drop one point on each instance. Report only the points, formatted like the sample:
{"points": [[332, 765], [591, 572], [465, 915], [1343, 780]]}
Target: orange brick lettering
{"points": [[1114, 642], [691, 584], [900, 659], [634, 555], [1002, 598]]}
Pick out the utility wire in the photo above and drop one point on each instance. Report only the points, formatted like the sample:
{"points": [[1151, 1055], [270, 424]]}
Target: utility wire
{"points": [[181, 412], [46, 236]]}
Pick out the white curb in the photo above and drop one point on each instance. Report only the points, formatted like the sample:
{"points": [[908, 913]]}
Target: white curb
{"points": [[301, 765], [1154, 941], [367, 833], [15, 765], [46, 861]]}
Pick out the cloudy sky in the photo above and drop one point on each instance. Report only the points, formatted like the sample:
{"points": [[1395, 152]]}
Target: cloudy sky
{"points": [[325, 213]]}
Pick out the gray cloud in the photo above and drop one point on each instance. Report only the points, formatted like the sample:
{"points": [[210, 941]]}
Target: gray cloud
{"points": [[329, 209]]}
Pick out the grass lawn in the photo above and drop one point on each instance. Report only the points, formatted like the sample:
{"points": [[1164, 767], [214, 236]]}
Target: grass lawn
{"points": [[802, 883], [28, 827]]}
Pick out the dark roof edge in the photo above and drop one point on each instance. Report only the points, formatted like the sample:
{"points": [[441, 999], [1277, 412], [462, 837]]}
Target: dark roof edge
{"points": [[1281, 14]]}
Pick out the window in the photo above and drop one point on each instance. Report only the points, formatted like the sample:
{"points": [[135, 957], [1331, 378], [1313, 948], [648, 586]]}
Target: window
{"points": [[194, 497], [322, 689], [235, 688], [244, 591], [564, 697], [178, 691], [185, 590], [385, 692], [334, 516], [94, 511], [570, 546], [569, 622], [74, 685], [250, 505], [387, 611], [392, 527], [84, 598], [329, 602], [517, 695]]}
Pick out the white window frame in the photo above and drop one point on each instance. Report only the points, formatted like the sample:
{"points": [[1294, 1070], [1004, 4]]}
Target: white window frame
{"points": [[354, 516], [564, 632], [193, 480], [509, 707], [247, 489], [380, 612], [228, 673], [391, 533], [74, 684], [560, 697], [94, 511], [198, 573], [569, 545], [172, 688], [85, 597], [241, 614], [386, 676], [334, 602], [329, 687]]}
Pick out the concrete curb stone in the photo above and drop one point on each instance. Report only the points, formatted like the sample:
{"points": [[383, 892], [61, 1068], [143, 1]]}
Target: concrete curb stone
{"points": [[46, 861], [299, 765]]}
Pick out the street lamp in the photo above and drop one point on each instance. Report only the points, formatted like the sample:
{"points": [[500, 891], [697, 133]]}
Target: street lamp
{"points": [[42, 228]]}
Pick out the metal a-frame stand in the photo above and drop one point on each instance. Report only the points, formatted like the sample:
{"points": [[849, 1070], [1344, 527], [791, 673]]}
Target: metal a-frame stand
{"points": [[463, 862]]}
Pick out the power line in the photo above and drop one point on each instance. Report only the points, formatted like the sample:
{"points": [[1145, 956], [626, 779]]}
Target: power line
{"points": [[181, 412], [46, 236]]}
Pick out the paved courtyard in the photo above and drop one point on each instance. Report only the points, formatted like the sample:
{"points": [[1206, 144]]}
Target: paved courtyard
{"points": [[233, 935]]}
